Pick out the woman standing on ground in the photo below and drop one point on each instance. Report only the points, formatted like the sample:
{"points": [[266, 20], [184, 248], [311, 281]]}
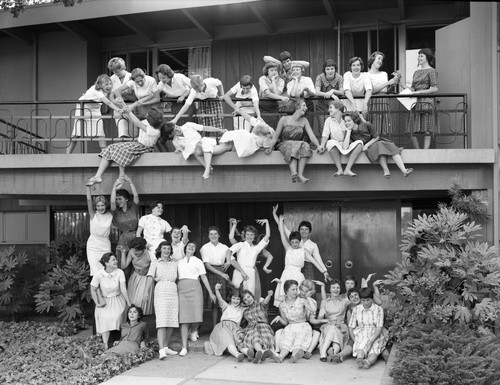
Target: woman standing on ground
{"points": [[112, 300], [166, 303], [100, 227], [191, 270]]}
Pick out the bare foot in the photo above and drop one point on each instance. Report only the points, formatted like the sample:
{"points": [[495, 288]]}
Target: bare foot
{"points": [[339, 173], [408, 172], [206, 174], [349, 173], [302, 179]]}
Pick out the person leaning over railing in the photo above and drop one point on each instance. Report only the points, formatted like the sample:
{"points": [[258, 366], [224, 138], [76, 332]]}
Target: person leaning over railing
{"points": [[247, 100], [121, 76], [271, 86], [329, 85], [146, 91], [302, 87], [357, 83], [93, 126], [285, 60], [202, 89], [423, 115]]}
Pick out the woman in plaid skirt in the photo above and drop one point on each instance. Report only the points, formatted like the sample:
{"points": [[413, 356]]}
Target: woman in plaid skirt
{"points": [[124, 153]]}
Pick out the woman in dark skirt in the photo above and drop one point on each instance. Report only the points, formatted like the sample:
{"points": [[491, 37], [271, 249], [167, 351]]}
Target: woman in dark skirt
{"points": [[375, 147], [190, 270], [124, 153], [134, 332]]}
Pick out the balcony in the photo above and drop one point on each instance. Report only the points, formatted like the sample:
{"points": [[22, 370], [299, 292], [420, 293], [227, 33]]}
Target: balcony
{"points": [[33, 137]]}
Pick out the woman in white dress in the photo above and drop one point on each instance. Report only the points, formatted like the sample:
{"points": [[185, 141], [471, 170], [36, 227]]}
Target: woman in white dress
{"points": [[245, 271], [357, 83], [100, 226], [335, 139], [110, 296], [153, 227]]}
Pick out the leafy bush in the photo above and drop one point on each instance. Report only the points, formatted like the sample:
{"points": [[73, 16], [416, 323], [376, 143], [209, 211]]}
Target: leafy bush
{"points": [[447, 356], [35, 354], [14, 288], [66, 287], [446, 276]]}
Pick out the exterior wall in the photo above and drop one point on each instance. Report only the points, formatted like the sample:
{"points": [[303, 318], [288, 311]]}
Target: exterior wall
{"points": [[16, 70]]}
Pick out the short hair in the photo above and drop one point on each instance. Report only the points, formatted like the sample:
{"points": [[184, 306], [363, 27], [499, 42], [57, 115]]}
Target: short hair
{"points": [[196, 80], [268, 66], [335, 282], [190, 243], [353, 290], [165, 70], [296, 103], [100, 198], [288, 284], [166, 130], [138, 243], [338, 105], [101, 80], [350, 278], [158, 249], [153, 204], [372, 58], [307, 284], [245, 292], [366, 293], [294, 235], [235, 293], [155, 117], [137, 72], [116, 63], [105, 258], [252, 229], [284, 55], [354, 115], [246, 80], [329, 63], [139, 311], [214, 228], [123, 193], [354, 59], [306, 224], [297, 65], [431, 59]]}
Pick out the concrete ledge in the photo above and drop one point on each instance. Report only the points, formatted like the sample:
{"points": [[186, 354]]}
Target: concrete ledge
{"points": [[169, 159]]}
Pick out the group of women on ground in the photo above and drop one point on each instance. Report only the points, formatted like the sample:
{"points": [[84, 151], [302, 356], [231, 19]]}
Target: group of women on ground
{"points": [[283, 87], [168, 281]]}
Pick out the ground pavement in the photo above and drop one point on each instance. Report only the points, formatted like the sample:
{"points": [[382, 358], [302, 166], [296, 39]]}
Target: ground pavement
{"points": [[198, 368]]}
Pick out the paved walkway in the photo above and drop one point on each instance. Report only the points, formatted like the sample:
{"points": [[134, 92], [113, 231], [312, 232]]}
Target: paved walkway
{"points": [[200, 369]]}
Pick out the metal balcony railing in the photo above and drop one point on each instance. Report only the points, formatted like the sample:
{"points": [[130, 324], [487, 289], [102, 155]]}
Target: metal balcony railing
{"points": [[44, 127]]}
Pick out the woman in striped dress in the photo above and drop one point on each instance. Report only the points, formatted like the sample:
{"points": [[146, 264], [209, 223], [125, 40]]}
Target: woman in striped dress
{"points": [[124, 153], [166, 304]]}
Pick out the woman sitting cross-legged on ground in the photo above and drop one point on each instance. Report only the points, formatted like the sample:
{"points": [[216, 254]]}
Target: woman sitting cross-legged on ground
{"points": [[164, 272], [365, 327], [110, 296], [187, 141], [133, 333], [258, 342], [375, 147], [336, 141], [296, 337], [334, 331], [227, 334], [294, 133], [124, 153]]}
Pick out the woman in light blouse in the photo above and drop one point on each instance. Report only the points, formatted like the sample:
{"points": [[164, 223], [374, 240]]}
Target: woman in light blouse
{"points": [[357, 83]]}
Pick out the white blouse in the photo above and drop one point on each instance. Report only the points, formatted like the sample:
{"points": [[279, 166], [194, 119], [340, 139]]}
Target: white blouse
{"points": [[192, 269]]}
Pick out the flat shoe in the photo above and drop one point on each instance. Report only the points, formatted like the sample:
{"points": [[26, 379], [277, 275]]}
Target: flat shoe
{"points": [[323, 359], [92, 181], [258, 357], [388, 175], [337, 358], [307, 355], [297, 356], [183, 352], [240, 357], [294, 178], [250, 354], [366, 364]]}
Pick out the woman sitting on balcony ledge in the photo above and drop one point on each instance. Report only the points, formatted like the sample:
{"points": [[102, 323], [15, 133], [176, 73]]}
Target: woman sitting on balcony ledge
{"points": [[124, 153]]}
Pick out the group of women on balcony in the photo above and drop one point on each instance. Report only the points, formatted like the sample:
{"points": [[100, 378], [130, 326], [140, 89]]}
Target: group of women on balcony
{"points": [[166, 281], [284, 89]]}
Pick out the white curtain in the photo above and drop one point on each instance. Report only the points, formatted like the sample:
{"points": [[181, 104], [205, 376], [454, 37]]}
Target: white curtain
{"points": [[199, 62]]}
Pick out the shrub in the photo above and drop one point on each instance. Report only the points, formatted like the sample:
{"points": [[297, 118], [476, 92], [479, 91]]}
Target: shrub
{"points": [[447, 356], [35, 354], [446, 276], [14, 287]]}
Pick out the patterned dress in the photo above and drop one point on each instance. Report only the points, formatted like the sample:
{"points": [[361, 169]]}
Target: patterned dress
{"points": [[365, 322], [165, 299], [298, 333], [153, 230], [365, 133], [294, 140], [335, 330], [258, 330], [423, 116]]}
